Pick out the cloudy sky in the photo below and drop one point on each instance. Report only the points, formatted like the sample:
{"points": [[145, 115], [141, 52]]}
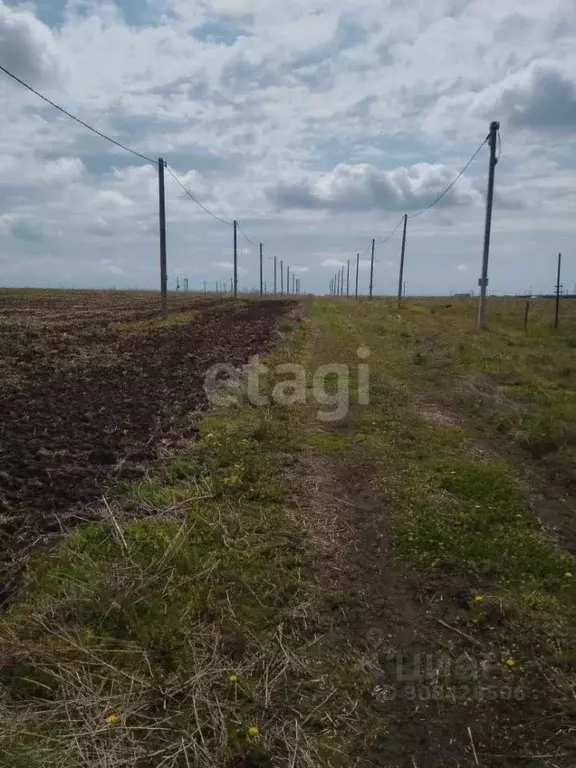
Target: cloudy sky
{"points": [[315, 124]]}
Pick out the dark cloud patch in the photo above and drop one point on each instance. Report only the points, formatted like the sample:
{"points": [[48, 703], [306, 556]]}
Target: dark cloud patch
{"points": [[546, 104], [224, 28], [27, 46]]}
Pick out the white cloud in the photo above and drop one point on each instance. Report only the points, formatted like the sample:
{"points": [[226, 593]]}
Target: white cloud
{"points": [[363, 187], [462, 268], [333, 263], [343, 120]]}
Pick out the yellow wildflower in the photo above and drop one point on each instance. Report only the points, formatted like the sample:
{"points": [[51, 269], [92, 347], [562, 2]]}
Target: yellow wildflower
{"points": [[252, 731], [511, 662], [112, 719], [479, 599], [567, 575], [232, 678]]}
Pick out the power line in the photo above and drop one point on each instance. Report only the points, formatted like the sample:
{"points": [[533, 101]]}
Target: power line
{"points": [[245, 236], [449, 187], [76, 119], [206, 210], [388, 237]]}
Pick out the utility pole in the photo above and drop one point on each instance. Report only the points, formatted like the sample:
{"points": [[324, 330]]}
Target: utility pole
{"points": [[372, 268], [293, 283], [483, 282], [282, 278], [177, 284], [338, 276], [274, 275], [357, 272], [558, 293], [162, 212], [401, 277], [287, 280], [261, 272], [235, 259], [348, 278], [204, 281]]}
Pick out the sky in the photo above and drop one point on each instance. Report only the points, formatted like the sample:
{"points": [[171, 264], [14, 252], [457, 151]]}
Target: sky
{"points": [[316, 125]]}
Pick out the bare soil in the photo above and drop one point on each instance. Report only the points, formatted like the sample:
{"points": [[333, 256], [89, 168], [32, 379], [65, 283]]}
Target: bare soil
{"points": [[84, 405]]}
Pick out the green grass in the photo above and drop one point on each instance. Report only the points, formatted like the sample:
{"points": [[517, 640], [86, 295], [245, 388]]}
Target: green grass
{"points": [[239, 585], [187, 627]]}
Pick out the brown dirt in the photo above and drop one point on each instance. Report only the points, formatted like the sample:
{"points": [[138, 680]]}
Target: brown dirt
{"points": [[84, 407]]}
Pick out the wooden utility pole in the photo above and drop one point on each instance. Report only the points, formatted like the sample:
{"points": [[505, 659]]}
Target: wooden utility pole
{"points": [[558, 293], [235, 259], [483, 282], [261, 273], [372, 268], [274, 275], [402, 253], [162, 213], [357, 272]]}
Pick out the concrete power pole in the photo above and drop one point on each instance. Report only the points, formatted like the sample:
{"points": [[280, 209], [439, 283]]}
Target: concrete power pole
{"points": [[261, 273], [348, 278], [558, 293], [483, 282], [287, 280], [401, 277], [162, 216], [282, 278], [274, 275], [357, 272], [235, 259], [372, 269]]}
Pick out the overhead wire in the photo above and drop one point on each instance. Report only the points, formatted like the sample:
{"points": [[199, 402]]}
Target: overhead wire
{"points": [[189, 193], [388, 237], [198, 203], [245, 236], [76, 119], [449, 187], [108, 138]]}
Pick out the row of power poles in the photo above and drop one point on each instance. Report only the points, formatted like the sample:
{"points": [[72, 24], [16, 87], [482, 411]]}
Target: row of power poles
{"points": [[293, 284], [340, 282], [342, 277]]}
